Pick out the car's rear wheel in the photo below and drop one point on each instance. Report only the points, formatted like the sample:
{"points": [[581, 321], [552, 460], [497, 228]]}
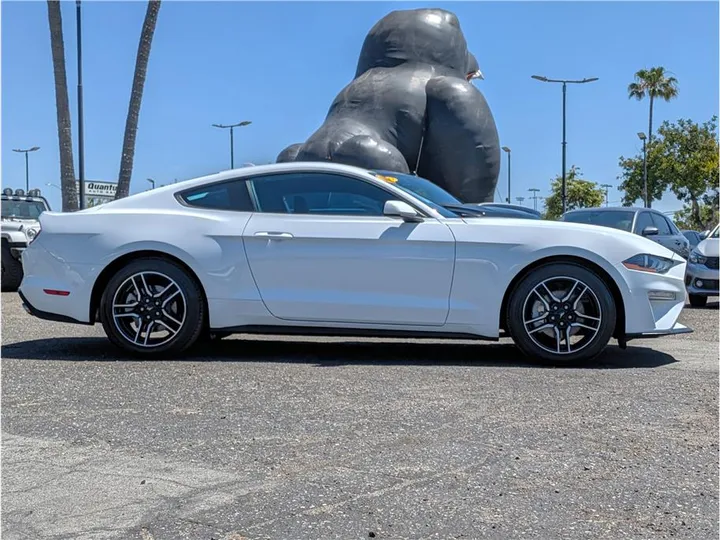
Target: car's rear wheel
{"points": [[697, 300], [561, 313], [152, 307], [12, 270]]}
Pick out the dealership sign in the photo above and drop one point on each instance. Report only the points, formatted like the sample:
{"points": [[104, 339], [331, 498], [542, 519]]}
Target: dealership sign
{"points": [[97, 192]]}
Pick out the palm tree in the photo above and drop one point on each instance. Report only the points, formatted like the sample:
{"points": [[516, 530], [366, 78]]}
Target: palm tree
{"points": [[655, 83], [131, 124], [62, 106]]}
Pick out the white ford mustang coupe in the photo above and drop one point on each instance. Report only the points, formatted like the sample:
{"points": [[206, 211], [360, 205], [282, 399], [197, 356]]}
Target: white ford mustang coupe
{"points": [[322, 248]]}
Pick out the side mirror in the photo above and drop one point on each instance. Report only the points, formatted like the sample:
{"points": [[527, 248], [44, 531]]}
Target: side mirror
{"points": [[402, 210], [650, 231]]}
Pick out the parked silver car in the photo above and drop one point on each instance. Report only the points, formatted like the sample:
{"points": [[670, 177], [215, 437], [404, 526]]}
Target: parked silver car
{"points": [[702, 274], [646, 222]]}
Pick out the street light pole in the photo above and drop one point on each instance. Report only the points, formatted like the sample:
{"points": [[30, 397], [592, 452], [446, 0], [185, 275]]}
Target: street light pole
{"points": [[152, 182], [534, 191], [607, 187], [27, 164], [520, 200], [232, 145], [564, 82], [81, 139], [506, 149], [643, 138]]}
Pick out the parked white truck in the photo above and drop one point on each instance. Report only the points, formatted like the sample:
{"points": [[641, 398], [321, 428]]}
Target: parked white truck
{"points": [[20, 225]]}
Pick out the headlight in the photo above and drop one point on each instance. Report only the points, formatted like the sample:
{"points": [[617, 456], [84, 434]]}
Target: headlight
{"points": [[696, 258], [650, 263], [31, 234]]}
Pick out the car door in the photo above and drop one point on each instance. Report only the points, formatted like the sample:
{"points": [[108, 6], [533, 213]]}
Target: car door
{"points": [[320, 249], [643, 220]]}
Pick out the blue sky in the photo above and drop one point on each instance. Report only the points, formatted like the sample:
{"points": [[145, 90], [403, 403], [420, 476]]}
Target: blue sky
{"points": [[281, 64]]}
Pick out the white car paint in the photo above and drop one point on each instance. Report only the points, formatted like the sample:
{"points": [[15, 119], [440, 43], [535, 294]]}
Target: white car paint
{"points": [[442, 275]]}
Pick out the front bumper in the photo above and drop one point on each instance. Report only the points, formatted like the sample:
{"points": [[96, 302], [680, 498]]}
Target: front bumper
{"points": [[701, 280], [675, 330]]}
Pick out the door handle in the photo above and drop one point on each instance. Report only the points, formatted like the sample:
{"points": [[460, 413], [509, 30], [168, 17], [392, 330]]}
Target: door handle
{"points": [[274, 234]]}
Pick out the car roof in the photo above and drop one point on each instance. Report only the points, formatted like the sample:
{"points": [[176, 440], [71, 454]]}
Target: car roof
{"points": [[161, 195]]}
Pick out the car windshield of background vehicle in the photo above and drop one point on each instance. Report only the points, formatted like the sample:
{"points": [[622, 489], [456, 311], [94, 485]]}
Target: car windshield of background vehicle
{"points": [[621, 220], [22, 209], [714, 233], [434, 196]]}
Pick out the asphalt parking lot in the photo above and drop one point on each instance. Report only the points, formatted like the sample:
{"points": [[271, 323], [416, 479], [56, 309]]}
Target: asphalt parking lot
{"points": [[337, 438]]}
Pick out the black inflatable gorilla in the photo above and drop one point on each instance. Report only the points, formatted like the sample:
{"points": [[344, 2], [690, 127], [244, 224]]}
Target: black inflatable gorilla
{"points": [[411, 107]]}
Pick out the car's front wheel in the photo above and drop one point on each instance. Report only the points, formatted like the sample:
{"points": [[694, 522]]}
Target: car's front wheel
{"points": [[561, 313], [152, 307]]}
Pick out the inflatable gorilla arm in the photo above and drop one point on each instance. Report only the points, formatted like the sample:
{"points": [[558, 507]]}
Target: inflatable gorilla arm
{"points": [[411, 108]]}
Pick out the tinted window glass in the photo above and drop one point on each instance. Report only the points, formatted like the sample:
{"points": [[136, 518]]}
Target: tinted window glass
{"points": [[661, 223], [621, 219], [643, 220], [226, 196], [319, 193]]}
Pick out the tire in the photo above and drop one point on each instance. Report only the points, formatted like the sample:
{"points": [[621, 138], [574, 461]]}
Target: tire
{"points": [[12, 270], [697, 300], [534, 323], [176, 309]]}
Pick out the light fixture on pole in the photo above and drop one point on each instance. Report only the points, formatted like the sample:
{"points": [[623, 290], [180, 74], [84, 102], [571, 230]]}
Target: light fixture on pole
{"points": [[232, 127], [534, 191], [643, 138], [520, 200], [564, 82], [607, 187], [27, 164], [50, 184], [507, 149]]}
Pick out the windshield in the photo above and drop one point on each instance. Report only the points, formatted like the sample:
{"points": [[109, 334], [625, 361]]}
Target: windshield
{"points": [[621, 219], [22, 209], [714, 233]]}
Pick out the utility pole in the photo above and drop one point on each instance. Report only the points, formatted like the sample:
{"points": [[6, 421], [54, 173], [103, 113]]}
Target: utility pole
{"points": [[607, 187], [232, 127], [564, 82], [534, 191]]}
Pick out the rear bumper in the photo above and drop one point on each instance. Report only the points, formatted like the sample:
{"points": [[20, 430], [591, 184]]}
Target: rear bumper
{"points": [[27, 306]]}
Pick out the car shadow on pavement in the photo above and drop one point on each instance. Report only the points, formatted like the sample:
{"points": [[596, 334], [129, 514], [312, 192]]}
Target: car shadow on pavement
{"points": [[332, 353]]}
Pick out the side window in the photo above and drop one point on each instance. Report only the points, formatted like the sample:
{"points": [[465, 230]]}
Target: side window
{"points": [[673, 227], [319, 194], [661, 223], [231, 195], [643, 220]]}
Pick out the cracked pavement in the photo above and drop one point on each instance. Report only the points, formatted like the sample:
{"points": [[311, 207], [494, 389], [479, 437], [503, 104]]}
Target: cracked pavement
{"points": [[275, 438]]}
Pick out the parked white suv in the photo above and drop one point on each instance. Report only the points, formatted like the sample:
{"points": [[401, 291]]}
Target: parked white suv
{"points": [[20, 225]]}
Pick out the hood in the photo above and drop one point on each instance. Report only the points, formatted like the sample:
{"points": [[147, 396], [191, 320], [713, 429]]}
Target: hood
{"points": [[490, 211], [710, 247], [582, 235]]}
